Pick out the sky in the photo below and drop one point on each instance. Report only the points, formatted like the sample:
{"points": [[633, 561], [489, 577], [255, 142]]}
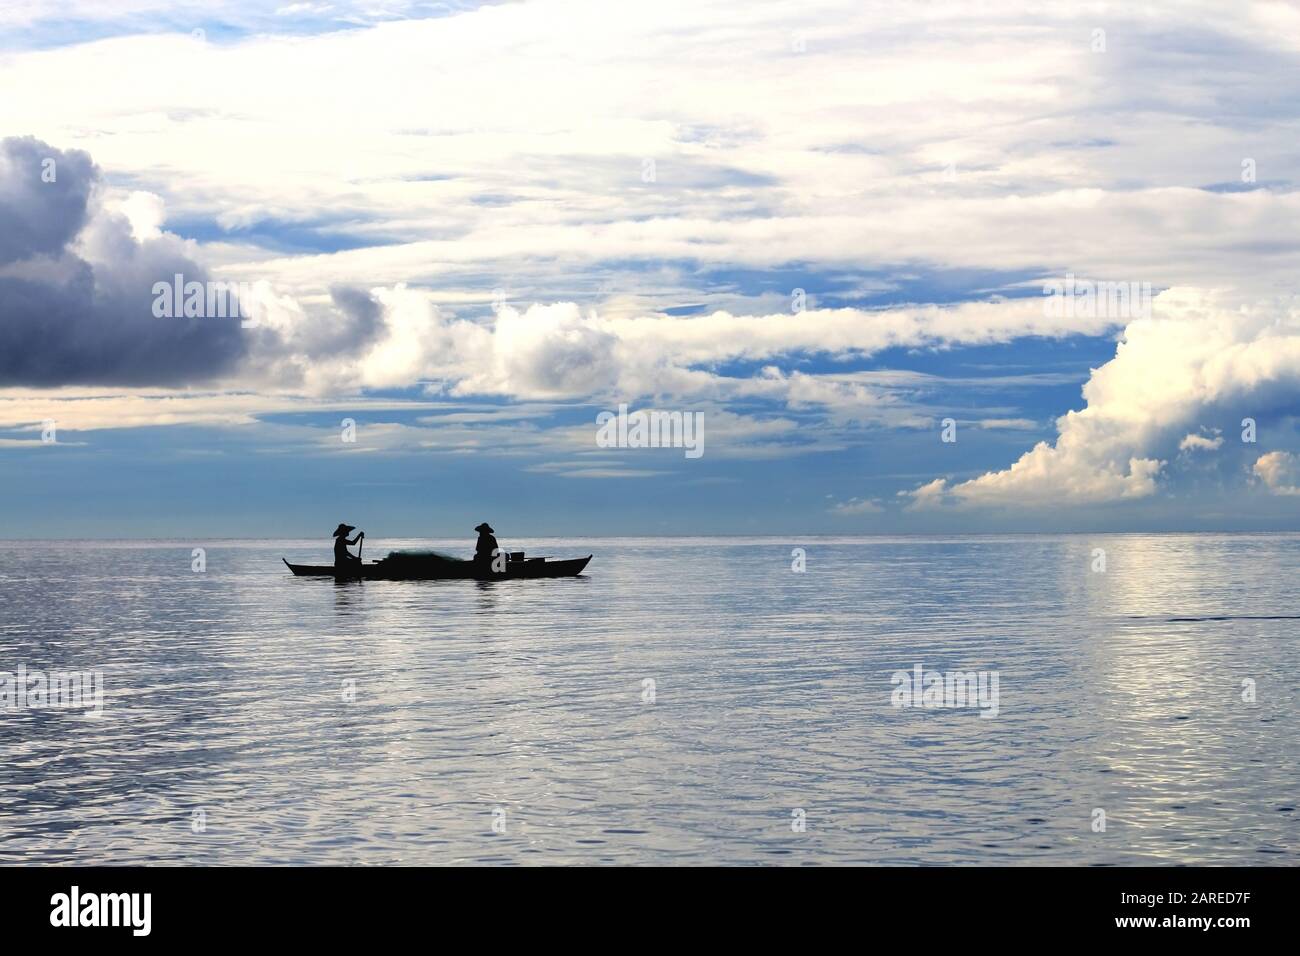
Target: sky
{"points": [[858, 241]]}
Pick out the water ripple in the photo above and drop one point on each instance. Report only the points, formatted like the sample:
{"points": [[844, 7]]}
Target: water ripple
{"points": [[252, 717]]}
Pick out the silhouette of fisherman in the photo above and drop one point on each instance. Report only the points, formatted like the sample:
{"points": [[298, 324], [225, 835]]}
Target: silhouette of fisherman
{"points": [[486, 547], [342, 557]]}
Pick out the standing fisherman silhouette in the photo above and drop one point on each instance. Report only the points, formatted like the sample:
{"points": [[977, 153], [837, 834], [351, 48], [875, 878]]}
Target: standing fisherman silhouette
{"points": [[344, 560], [486, 548]]}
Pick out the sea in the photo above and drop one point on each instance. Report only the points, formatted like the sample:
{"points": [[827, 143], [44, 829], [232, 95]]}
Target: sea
{"points": [[1100, 700]]}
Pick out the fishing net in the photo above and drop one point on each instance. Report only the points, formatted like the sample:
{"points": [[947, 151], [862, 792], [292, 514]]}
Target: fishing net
{"points": [[421, 554]]}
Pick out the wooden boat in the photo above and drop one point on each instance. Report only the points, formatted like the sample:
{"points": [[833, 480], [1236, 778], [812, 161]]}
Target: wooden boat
{"points": [[436, 569]]}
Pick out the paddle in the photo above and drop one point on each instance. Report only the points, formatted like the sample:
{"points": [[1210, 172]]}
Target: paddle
{"points": [[360, 546]]}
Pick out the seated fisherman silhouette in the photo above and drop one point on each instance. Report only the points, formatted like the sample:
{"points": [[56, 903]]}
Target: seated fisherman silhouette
{"points": [[343, 558]]}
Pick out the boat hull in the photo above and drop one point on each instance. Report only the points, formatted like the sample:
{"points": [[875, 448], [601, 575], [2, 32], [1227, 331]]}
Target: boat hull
{"points": [[443, 570]]}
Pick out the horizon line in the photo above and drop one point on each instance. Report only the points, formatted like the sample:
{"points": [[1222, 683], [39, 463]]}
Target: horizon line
{"points": [[718, 534]]}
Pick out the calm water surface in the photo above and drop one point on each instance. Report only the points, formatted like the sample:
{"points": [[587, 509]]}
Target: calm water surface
{"points": [[526, 703]]}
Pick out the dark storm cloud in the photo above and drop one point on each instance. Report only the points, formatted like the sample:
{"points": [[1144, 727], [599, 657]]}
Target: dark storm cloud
{"points": [[66, 319], [44, 195]]}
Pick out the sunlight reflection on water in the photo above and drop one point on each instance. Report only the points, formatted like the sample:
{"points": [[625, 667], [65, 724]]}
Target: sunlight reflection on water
{"points": [[225, 693]]}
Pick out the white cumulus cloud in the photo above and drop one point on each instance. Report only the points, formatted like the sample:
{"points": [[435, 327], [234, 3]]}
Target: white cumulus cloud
{"points": [[1280, 471], [1198, 351]]}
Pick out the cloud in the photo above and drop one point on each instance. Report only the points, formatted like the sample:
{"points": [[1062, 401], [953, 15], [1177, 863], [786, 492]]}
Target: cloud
{"points": [[398, 337], [1280, 471], [44, 195], [531, 176], [547, 351], [1200, 354], [76, 285], [1194, 442], [857, 506], [606, 473], [929, 495], [732, 189], [540, 103]]}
